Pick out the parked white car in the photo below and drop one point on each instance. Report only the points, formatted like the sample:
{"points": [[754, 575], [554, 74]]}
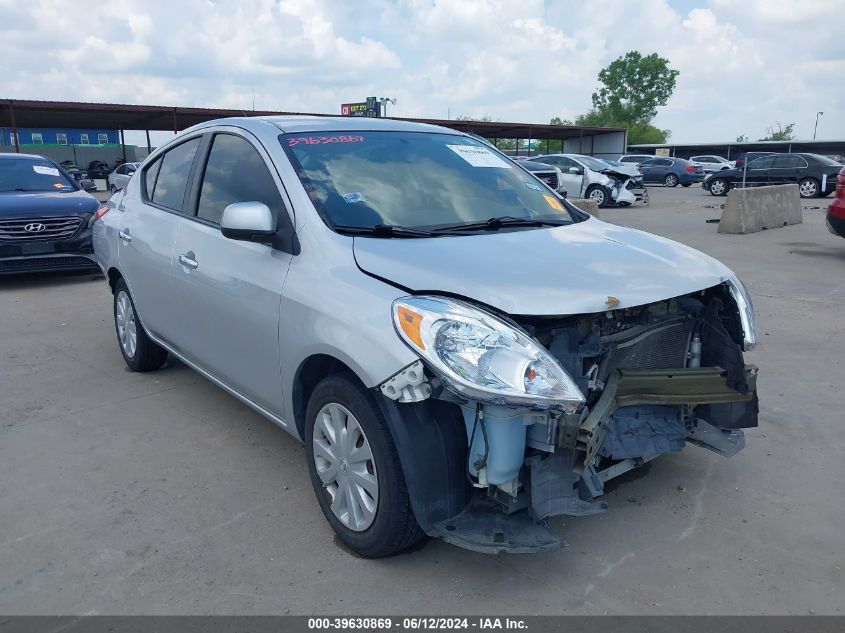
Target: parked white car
{"points": [[119, 178], [711, 163], [588, 177]]}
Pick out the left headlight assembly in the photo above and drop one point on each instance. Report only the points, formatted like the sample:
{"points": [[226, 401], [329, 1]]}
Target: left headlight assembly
{"points": [[480, 356], [746, 312]]}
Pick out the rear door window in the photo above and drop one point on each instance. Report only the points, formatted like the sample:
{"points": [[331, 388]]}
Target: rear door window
{"points": [[236, 172], [172, 180]]}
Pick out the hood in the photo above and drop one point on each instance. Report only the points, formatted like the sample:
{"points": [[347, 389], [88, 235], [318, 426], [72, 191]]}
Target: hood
{"points": [[46, 203], [553, 271], [622, 171], [532, 165]]}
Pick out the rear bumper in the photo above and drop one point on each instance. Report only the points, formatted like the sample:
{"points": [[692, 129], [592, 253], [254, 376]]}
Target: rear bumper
{"points": [[73, 254]]}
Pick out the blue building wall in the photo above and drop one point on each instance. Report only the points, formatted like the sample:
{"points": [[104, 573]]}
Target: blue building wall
{"points": [[50, 136]]}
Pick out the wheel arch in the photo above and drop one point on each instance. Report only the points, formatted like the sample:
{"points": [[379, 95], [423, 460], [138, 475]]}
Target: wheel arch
{"points": [[113, 275], [308, 375]]}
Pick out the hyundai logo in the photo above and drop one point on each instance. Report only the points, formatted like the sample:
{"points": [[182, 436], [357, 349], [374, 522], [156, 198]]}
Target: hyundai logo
{"points": [[34, 227]]}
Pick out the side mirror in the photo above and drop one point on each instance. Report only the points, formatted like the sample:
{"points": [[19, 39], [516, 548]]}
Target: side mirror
{"points": [[248, 221]]}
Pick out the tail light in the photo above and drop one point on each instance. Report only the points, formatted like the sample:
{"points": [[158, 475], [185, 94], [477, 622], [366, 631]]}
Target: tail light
{"points": [[100, 212], [840, 180], [690, 169]]}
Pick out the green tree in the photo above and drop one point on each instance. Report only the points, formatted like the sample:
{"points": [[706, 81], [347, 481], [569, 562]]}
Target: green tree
{"points": [[638, 131], [742, 138], [632, 87], [782, 133]]}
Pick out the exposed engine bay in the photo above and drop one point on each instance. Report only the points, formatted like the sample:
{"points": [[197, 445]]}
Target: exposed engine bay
{"points": [[655, 378]]}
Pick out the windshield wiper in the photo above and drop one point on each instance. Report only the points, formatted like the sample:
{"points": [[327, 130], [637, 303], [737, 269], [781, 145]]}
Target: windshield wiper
{"points": [[383, 230], [494, 224]]}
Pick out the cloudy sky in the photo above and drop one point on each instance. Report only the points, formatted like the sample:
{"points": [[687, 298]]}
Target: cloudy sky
{"points": [[744, 64]]}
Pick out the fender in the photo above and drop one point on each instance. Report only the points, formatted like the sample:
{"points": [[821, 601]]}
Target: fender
{"points": [[430, 438]]}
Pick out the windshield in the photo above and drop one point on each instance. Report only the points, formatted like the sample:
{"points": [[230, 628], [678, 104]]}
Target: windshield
{"points": [[593, 163], [24, 174], [414, 179]]}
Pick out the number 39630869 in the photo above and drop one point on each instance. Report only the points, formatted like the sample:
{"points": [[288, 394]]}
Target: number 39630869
{"points": [[322, 140]]}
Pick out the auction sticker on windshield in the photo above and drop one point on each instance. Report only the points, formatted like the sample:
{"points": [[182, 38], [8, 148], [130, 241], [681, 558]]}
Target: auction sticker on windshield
{"points": [[478, 156], [45, 171]]}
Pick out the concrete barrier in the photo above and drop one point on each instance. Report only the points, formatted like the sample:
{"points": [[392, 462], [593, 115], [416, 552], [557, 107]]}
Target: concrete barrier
{"points": [[586, 205], [758, 208]]}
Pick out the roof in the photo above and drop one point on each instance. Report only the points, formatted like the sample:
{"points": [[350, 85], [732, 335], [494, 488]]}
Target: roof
{"points": [[4, 156], [35, 114], [735, 143]]}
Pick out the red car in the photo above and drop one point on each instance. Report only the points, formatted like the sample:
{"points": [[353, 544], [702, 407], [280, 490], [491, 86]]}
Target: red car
{"points": [[836, 210]]}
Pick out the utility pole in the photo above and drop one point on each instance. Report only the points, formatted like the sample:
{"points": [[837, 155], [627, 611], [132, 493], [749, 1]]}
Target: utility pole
{"points": [[815, 129]]}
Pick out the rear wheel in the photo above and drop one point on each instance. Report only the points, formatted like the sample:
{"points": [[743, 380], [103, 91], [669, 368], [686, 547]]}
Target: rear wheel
{"points": [[113, 189], [139, 352], [355, 469], [809, 188], [598, 194], [718, 187], [671, 180]]}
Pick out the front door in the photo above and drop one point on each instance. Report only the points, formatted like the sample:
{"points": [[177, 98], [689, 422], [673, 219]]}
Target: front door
{"points": [[573, 174], [227, 293]]}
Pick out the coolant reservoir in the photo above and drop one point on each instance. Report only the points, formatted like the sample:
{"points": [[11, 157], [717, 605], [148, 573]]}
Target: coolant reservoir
{"points": [[505, 438]]}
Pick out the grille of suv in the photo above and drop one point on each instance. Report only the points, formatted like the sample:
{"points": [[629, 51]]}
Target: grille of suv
{"points": [[549, 178], [54, 229]]}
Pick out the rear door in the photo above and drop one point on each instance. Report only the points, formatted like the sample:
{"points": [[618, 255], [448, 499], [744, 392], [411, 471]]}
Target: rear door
{"points": [[787, 168], [758, 171], [148, 227], [227, 293]]}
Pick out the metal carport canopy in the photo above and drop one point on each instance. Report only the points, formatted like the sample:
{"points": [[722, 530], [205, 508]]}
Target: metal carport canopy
{"points": [[67, 114]]}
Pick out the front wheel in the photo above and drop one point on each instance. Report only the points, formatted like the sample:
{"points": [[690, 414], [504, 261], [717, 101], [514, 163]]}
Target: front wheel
{"points": [[809, 188], [139, 351], [355, 469], [719, 187], [671, 180], [598, 194]]}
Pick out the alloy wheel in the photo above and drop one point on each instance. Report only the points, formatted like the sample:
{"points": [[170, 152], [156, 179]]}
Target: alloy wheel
{"points": [[344, 462], [808, 188], [717, 187], [127, 332]]}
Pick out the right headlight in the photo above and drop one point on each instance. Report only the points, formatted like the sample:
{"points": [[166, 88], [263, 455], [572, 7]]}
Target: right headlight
{"points": [[746, 312], [480, 356]]}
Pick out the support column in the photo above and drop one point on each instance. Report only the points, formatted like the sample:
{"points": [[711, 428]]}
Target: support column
{"points": [[123, 144], [14, 127], [149, 147]]}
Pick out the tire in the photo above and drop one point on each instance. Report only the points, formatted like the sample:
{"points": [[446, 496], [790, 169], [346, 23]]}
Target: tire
{"points": [[598, 193], [671, 180], [139, 352], [719, 187], [809, 188], [113, 189], [380, 521]]}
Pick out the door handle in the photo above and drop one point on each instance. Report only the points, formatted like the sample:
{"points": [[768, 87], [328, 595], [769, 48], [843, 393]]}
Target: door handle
{"points": [[187, 261], [124, 235]]}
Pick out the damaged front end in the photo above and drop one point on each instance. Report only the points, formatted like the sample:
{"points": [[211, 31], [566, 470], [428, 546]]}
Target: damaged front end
{"points": [[526, 418], [626, 187]]}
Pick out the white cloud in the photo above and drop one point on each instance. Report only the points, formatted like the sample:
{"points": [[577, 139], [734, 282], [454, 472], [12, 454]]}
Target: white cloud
{"points": [[743, 65]]}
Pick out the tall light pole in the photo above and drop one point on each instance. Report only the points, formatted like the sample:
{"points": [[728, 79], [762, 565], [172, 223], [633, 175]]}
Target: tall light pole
{"points": [[383, 101], [815, 129]]}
